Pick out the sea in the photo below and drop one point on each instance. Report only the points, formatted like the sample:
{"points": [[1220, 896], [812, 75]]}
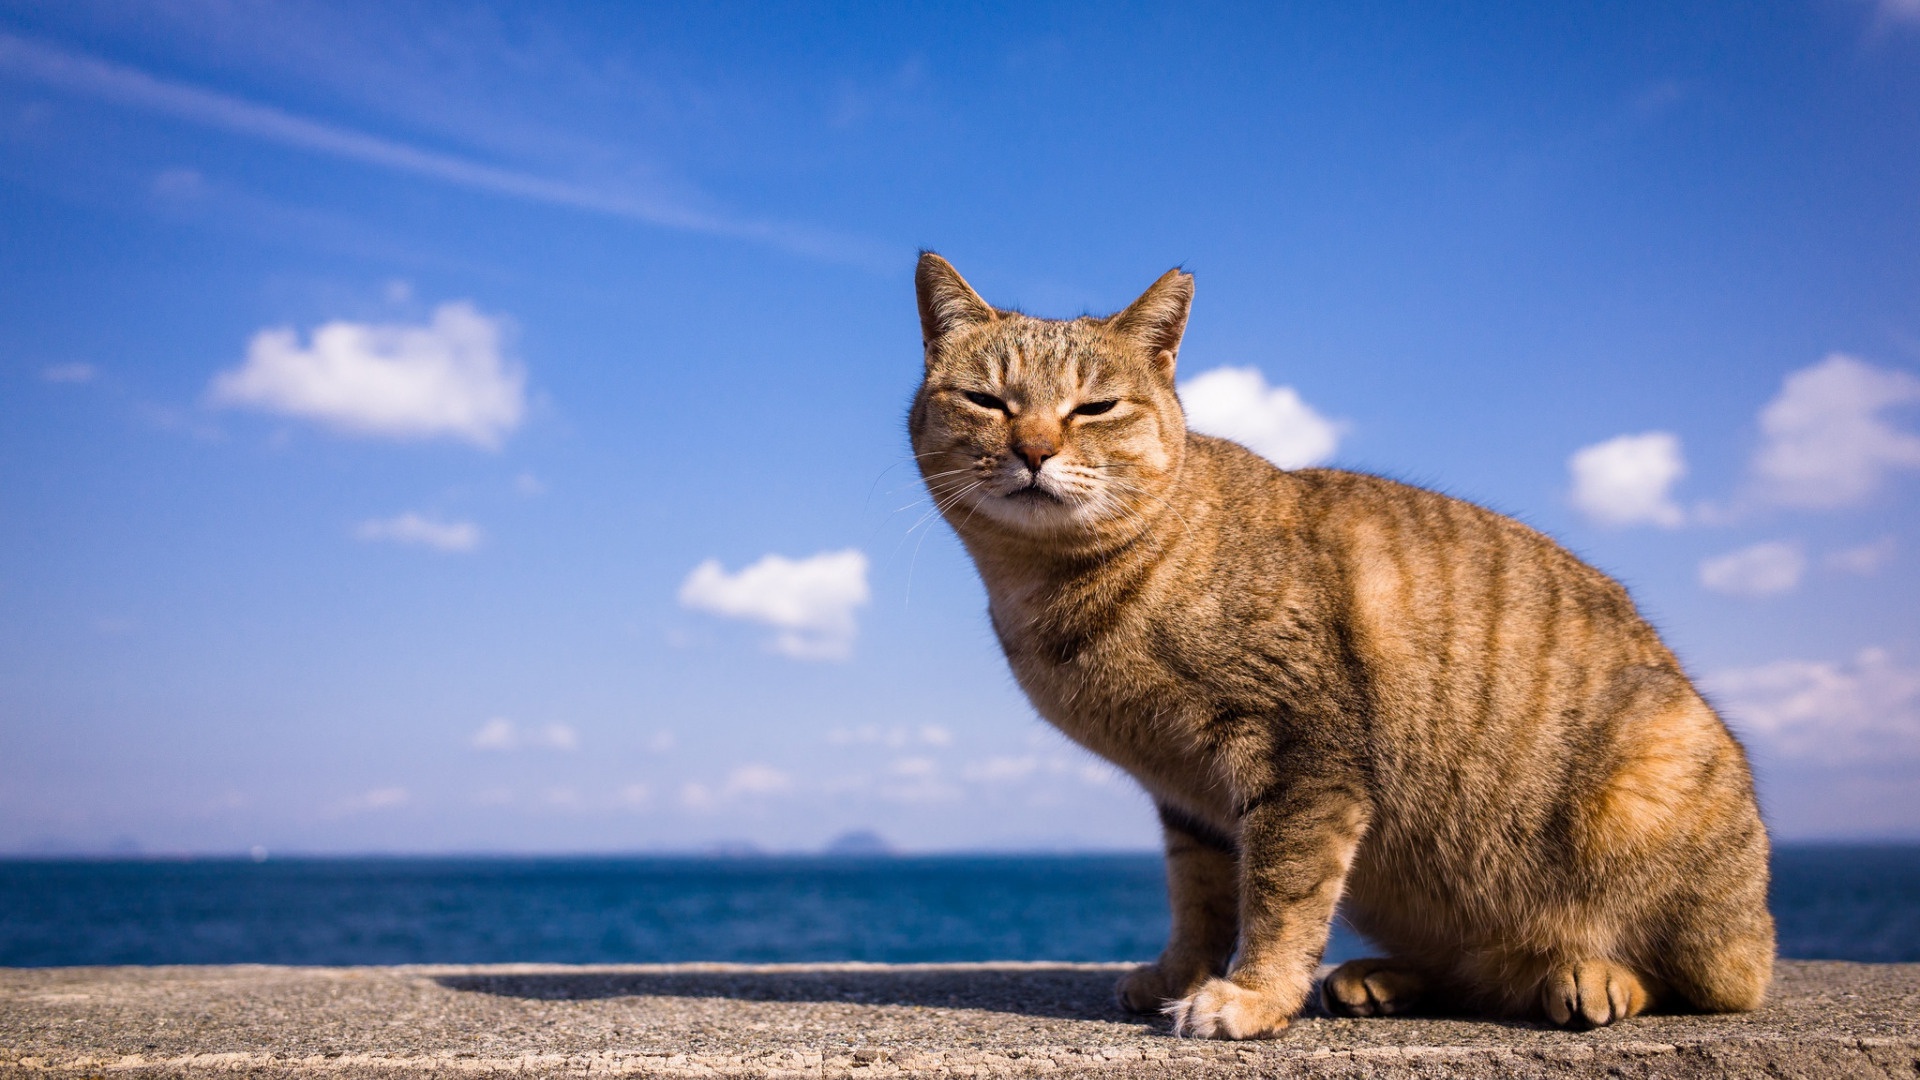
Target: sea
{"points": [[1852, 902]]}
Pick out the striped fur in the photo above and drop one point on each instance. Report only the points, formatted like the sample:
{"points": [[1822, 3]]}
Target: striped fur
{"points": [[1341, 690]]}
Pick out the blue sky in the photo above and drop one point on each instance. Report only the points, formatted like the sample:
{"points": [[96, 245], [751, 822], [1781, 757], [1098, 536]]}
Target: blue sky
{"points": [[445, 427]]}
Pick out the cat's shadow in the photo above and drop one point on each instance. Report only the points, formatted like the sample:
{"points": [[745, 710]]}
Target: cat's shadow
{"points": [[1055, 993], [1063, 993]]}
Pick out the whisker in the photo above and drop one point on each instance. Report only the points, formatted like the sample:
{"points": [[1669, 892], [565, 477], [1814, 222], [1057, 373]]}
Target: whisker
{"points": [[914, 562], [883, 472]]}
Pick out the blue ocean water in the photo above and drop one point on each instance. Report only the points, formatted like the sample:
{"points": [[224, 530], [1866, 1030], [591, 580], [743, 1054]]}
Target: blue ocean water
{"points": [[1851, 903]]}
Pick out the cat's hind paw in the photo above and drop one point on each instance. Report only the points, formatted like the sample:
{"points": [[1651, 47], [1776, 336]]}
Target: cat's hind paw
{"points": [[1147, 989], [1592, 993], [1221, 1009], [1372, 987]]}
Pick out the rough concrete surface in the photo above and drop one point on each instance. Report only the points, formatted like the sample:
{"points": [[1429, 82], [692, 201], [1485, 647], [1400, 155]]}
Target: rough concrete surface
{"points": [[853, 1020]]}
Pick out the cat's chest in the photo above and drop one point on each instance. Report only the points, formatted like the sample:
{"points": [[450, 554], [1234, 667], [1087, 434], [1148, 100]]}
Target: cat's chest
{"points": [[1101, 683]]}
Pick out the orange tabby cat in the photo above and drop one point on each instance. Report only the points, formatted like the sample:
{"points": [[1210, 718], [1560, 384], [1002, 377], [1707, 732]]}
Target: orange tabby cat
{"points": [[1338, 688]]}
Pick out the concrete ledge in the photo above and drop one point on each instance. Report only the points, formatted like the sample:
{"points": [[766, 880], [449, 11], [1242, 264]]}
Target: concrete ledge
{"points": [[852, 1020]]}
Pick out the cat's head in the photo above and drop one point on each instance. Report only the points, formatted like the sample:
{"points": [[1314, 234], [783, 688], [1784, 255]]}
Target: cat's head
{"points": [[1048, 427]]}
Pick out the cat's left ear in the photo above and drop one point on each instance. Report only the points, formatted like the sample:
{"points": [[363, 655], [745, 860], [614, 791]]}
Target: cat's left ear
{"points": [[1159, 318]]}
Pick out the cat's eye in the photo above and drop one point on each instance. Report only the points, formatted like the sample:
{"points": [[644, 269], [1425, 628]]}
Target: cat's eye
{"points": [[1095, 408], [985, 401]]}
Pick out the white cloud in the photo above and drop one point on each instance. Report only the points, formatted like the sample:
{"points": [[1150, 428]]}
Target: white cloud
{"points": [[874, 735], [496, 734], [449, 378], [133, 88], [501, 733], [1626, 480], [419, 531], [1000, 770], [1764, 569], [1011, 770], [1866, 710], [810, 601], [69, 373], [757, 780], [1272, 421], [1865, 560], [386, 798], [916, 780], [751, 781], [1827, 440]]}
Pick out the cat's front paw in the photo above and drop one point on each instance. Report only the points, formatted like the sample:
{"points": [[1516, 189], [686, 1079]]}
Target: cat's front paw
{"points": [[1221, 1009]]}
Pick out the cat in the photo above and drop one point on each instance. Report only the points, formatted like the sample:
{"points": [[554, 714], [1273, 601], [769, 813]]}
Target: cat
{"points": [[1338, 690]]}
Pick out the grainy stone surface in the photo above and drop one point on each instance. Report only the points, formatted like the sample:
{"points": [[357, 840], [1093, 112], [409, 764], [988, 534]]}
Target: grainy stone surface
{"points": [[982, 1020]]}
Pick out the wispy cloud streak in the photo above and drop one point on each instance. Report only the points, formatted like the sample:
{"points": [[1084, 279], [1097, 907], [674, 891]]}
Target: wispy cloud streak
{"points": [[132, 88]]}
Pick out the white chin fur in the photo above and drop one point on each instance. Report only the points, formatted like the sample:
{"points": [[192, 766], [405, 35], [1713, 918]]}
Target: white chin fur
{"points": [[1010, 508]]}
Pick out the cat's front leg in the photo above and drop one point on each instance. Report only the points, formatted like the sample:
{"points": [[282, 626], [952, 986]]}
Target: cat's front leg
{"points": [[1296, 845], [1203, 886]]}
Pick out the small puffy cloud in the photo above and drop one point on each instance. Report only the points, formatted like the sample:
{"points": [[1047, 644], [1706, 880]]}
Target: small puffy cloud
{"points": [[69, 373], [1000, 770], [1013, 770], [420, 531], [916, 780], [1627, 479], [1272, 421], [757, 780], [1827, 439], [496, 734], [749, 781], [874, 735], [809, 601], [386, 798], [447, 379], [1765, 569], [1864, 710], [1865, 560], [501, 733]]}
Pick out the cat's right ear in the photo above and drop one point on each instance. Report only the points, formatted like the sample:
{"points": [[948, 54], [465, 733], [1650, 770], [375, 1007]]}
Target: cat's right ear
{"points": [[947, 302]]}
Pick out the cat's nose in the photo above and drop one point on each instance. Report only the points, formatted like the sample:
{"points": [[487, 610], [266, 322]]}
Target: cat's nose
{"points": [[1035, 452]]}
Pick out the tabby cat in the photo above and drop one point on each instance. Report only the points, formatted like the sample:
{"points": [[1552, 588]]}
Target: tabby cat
{"points": [[1338, 689]]}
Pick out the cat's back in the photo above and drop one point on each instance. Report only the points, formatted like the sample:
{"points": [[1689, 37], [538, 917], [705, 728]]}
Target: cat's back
{"points": [[1412, 568]]}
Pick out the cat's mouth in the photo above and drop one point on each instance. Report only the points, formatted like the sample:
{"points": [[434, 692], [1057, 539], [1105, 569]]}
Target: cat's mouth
{"points": [[1033, 492]]}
